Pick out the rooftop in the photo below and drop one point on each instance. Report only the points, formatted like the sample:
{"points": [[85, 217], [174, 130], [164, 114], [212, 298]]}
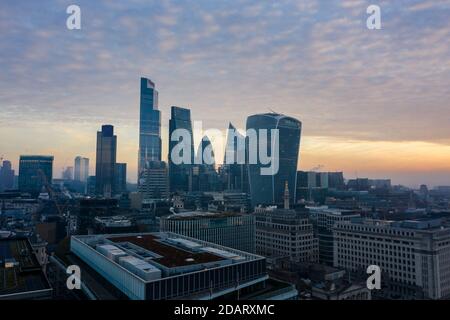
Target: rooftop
{"points": [[193, 215], [171, 255], [20, 272]]}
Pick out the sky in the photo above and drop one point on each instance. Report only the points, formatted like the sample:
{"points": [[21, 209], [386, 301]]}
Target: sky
{"points": [[373, 103]]}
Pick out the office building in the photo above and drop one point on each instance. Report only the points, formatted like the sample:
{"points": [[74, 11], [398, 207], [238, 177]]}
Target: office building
{"points": [[35, 172], [233, 230], [149, 126], [234, 168], [6, 176], [120, 178], [105, 161], [164, 266], [154, 181], [269, 189], [179, 173], [324, 219], [81, 172], [336, 180], [284, 233], [413, 255]]}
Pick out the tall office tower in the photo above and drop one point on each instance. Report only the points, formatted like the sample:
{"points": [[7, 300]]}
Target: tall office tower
{"points": [[149, 126], [233, 230], [285, 233], [336, 180], [179, 173], [68, 173], [234, 165], [105, 161], [81, 169], [204, 177], [205, 153], [120, 176], [34, 173], [269, 189], [6, 176], [324, 219], [154, 182], [413, 255]]}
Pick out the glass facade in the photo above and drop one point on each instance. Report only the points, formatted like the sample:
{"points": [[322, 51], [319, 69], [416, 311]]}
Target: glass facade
{"points": [[106, 161], [179, 173], [269, 189], [34, 173], [149, 125]]}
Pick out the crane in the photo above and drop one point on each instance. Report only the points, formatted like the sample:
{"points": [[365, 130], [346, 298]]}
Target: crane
{"points": [[318, 167]]}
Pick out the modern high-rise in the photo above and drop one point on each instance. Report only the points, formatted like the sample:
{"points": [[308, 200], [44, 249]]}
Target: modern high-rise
{"points": [[120, 178], [34, 173], [68, 174], [413, 255], [268, 189], [6, 176], [234, 164], [154, 182], [233, 230], [284, 233], [179, 173], [105, 161], [81, 172], [149, 126]]}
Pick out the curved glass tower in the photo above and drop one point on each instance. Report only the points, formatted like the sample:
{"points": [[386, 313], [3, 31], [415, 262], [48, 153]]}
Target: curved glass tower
{"points": [[149, 126], [269, 189]]}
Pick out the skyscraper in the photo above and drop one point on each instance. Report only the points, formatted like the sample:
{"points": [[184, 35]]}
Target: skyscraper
{"points": [[105, 161], [235, 169], [269, 189], [154, 182], [120, 176], [81, 169], [149, 126], [6, 176], [68, 173], [179, 173], [34, 173]]}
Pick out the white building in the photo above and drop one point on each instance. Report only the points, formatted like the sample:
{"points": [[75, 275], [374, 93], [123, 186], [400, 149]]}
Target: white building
{"points": [[414, 256]]}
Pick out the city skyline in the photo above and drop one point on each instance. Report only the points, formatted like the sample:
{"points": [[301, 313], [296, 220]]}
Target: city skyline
{"points": [[379, 109]]}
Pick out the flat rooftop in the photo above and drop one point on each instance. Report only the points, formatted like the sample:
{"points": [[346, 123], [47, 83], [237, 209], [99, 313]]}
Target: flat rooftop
{"points": [[194, 215], [171, 255], [20, 272]]}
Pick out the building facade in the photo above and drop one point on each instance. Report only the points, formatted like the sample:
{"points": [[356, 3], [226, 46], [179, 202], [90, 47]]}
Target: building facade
{"points": [[81, 172], [105, 161], [34, 173], [285, 233], [154, 181], [149, 126], [120, 178], [414, 256], [6, 176], [268, 189], [231, 230], [179, 173]]}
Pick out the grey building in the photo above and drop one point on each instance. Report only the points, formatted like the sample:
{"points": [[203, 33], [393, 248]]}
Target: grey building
{"points": [[105, 161], [179, 173], [81, 172], [413, 255], [154, 181], [6, 176], [233, 230], [268, 189], [284, 233], [149, 126], [34, 173], [120, 178]]}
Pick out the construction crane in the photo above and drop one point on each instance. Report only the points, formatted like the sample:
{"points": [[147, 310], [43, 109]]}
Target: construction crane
{"points": [[60, 208], [318, 167]]}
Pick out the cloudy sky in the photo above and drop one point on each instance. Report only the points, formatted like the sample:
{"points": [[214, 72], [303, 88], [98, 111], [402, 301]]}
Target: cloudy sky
{"points": [[373, 103]]}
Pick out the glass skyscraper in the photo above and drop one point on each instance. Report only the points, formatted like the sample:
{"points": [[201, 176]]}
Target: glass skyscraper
{"points": [[106, 161], [269, 189], [179, 173], [34, 173], [81, 172], [149, 126]]}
